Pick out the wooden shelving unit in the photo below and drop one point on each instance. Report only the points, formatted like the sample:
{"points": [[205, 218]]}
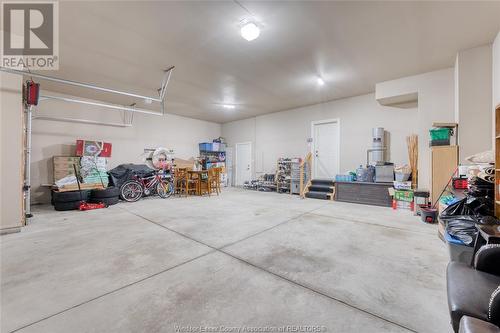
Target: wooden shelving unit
{"points": [[444, 162], [497, 161]]}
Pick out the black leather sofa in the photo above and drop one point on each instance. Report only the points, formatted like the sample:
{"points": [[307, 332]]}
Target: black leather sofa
{"points": [[474, 291]]}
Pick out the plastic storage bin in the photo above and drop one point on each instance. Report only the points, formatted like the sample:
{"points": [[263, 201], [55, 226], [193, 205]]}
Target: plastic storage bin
{"points": [[460, 183], [458, 250], [438, 134], [428, 215], [212, 146], [344, 178], [205, 146]]}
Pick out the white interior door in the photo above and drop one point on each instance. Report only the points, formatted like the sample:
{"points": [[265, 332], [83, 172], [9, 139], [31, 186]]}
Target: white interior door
{"points": [[325, 149], [243, 163]]}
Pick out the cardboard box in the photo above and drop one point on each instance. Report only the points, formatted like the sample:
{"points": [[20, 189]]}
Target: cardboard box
{"points": [[93, 148], [61, 174], [74, 187], [63, 166], [66, 159], [180, 163], [403, 195]]}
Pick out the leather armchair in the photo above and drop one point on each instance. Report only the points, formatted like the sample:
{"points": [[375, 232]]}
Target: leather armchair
{"points": [[474, 325], [494, 307], [487, 259], [474, 291]]}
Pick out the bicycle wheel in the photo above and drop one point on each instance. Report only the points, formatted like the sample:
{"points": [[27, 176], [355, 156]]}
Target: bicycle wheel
{"points": [[131, 191], [164, 189]]}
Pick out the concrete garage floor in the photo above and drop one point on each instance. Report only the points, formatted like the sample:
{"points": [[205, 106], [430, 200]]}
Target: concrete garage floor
{"points": [[244, 258]]}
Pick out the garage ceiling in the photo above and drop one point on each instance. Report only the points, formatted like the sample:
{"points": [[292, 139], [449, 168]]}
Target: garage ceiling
{"points": [[352, 45]]}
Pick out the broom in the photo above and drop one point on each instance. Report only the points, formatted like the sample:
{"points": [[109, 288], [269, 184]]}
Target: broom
{"points": [[412, 142]]}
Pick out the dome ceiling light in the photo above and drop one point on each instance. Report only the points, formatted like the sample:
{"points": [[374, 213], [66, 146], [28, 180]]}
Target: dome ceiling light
{"points": [[250, 31]]}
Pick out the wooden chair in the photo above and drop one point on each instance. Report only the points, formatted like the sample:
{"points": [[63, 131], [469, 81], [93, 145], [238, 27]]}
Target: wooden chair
{"points": [[220, 171], [193, 184], [181, 181], [214, 180], [204, 183]]}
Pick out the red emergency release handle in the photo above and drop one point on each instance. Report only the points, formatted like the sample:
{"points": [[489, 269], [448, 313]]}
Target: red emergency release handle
{"points": [[32, 92]]}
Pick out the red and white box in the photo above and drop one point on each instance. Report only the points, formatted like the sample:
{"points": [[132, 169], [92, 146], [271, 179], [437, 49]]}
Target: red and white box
{"points": [[93, 148]]}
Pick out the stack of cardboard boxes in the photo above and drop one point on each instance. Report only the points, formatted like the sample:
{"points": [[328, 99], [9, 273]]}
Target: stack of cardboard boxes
{"points": [[63, 166]]}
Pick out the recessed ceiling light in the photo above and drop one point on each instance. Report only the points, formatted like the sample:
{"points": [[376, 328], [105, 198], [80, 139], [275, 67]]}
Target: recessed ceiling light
{"points": [[250, 31], [228, 106], [320, 81]]}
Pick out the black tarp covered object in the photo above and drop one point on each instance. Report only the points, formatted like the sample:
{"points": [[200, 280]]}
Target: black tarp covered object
{"points": [[124, 172], [463, 227], [482, 206]]}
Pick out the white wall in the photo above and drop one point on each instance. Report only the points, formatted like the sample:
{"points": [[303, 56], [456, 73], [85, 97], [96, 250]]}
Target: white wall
{"points": [[436, 101], [473, 95], [11, 149], [496, 72], [51, 138], [285, 134]]}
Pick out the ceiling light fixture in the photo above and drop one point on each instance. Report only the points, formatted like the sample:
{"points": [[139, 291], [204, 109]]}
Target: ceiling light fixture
{"points": [[250, 31], [320, 81], [228, 106]]}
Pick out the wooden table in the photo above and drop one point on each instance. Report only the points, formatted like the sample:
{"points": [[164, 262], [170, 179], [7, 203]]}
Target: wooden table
{"points": [[199, 175], [486, 234]]}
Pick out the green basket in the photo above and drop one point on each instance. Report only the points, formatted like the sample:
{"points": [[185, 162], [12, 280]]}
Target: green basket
{"points": [[440, 133], [403, 195]]}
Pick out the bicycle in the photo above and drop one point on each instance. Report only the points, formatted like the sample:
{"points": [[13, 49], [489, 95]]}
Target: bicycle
{"points": [[137, 187]]}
